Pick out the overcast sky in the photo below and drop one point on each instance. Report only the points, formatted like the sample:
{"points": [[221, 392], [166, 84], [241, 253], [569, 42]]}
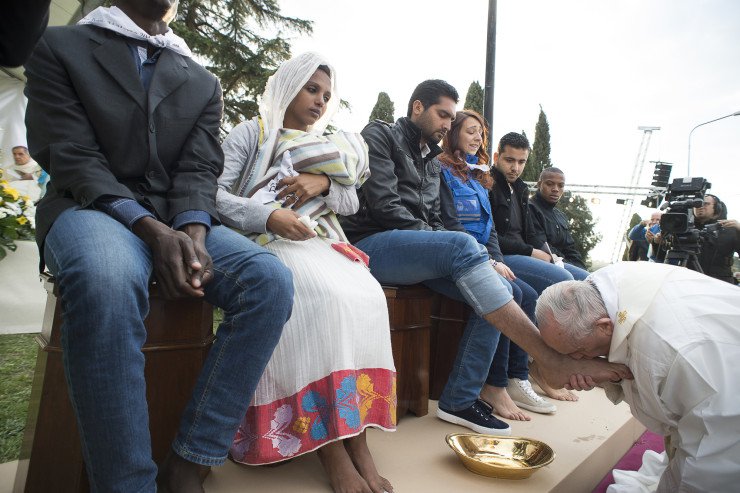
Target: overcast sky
{"points": [[599, 68]]}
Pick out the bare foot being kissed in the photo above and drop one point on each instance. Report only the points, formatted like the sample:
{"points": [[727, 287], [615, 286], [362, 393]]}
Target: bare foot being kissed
{"points": [[343, 476], [363, 460], [499, 399], [559, 394]]}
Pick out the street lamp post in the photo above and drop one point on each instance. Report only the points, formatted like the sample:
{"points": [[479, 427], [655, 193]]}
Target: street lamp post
{"points": [[688, 160]]}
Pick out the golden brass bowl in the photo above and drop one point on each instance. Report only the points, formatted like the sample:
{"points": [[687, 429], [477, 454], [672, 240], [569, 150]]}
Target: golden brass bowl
{"points": [[500, 457]]}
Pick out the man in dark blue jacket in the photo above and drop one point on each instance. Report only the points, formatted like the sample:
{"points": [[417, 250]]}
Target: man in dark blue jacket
{"points": [[509, 199], [549, 224]]}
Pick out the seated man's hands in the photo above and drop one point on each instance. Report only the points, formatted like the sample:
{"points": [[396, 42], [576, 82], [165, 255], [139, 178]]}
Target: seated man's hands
{"points": [[504, 270], [299, 189], [285, 222], [201, 265], [541, 255], [180, 261]]}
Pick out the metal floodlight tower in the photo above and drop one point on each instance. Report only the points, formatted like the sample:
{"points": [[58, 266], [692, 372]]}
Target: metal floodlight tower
{"points": [[647, 132]]}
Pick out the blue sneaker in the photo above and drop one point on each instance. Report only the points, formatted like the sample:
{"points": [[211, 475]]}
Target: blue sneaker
{"points": [[478, 418]]}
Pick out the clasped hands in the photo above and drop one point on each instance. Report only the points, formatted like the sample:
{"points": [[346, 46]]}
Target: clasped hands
{"points": [[296, 191], [181, 263]]}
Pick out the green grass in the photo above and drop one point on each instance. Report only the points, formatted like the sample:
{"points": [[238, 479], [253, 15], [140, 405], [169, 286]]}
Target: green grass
{"points": [[17, 362]]}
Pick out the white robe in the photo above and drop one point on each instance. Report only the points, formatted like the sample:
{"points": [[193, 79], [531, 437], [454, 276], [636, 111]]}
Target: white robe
{"points": [[679, 333]]}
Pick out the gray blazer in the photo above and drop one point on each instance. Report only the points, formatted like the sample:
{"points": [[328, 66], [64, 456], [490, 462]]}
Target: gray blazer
{"points": [[95, 130]]}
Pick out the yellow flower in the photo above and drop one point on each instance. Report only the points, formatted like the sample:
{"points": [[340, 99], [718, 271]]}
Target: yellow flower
{"points": [[21, 220], [301, 424], [12, 192], [26, 198]]}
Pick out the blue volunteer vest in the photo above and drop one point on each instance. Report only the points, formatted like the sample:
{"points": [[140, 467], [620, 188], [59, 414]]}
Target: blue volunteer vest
{"points": [[472, 204]]}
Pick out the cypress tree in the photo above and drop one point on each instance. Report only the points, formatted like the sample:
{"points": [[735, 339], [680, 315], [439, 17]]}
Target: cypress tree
{"points": [[383, 109], [539, 158], [474, 98]]}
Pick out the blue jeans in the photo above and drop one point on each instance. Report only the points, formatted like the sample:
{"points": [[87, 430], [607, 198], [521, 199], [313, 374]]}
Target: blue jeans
{"points": [[535, 272], [577, 273], [511, 361], [454, 264], [103, 273]]}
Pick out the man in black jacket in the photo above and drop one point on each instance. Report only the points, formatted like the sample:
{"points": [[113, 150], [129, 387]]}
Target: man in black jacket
{"points": [[718, 247], [509, 198], [398, 224], [550, 225]]}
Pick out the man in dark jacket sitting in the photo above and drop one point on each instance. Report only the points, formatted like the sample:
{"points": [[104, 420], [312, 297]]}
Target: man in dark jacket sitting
{"points": [[550, 224], [509, 198], [398, 225]]}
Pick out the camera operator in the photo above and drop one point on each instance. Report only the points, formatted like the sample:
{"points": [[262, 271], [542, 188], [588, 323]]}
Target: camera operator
{"points": [[717, 250]]}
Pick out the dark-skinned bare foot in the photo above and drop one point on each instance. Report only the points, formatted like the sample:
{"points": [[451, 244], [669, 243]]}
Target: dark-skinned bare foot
{"points": [[363, 461], [500, 400], [177, 475], [559, 394], [343, 476]]}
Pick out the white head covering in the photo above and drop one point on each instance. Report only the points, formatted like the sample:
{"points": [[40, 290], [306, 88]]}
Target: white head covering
{"points": [[114, 19], [283, 86]]}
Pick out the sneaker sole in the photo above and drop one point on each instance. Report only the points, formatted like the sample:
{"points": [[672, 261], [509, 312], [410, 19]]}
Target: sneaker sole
{"points": [[536, 409], [451, 418]]}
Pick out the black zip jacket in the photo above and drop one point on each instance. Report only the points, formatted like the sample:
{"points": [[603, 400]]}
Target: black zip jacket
{"points": [[717, 249], [550, 225], [501, 204], [403, 189]]}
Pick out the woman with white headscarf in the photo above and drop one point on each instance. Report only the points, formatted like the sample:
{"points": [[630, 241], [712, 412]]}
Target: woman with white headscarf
{"points": [[332, 374]]}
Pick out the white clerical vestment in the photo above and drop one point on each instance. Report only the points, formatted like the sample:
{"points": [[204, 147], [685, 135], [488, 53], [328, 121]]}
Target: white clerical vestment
{"points": [[679, 333]]}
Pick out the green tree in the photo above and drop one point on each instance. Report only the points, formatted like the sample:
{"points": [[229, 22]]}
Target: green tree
{"points": [[582, 224], [539, 158], [635, 219], [228, 37], [474, 98], [383, 109]]}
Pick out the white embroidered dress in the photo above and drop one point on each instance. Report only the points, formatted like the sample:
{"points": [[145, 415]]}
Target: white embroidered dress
{"points": [[332, 373]]}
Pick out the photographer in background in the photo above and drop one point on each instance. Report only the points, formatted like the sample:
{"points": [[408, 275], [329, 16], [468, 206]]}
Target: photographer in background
{"points": [[717, 249], [645, 232]]}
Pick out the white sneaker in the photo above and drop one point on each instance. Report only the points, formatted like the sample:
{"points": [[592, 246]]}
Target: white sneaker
{"points": [[524, 396]]}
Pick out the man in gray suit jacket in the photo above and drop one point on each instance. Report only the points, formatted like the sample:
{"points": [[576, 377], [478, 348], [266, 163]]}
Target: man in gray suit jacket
{"points": [[126, 124]]}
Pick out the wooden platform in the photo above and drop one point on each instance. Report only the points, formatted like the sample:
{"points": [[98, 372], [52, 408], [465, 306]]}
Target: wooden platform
{"points": [[588, 437]]}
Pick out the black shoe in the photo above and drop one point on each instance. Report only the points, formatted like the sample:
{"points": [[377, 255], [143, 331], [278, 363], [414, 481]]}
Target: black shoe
{"points": [[478, 418]]}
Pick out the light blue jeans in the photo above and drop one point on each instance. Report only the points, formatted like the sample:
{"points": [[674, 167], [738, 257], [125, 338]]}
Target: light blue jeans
{"points": [[535, 272], [577, 273], [454, 264], [103, 271], [511, 361]]}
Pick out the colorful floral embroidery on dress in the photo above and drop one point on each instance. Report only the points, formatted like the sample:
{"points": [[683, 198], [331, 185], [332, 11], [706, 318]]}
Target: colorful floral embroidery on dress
{"points": [[339, 405]]}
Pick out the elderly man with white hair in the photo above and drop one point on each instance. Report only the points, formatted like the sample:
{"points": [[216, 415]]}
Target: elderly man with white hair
{"points": [[679, 333]]}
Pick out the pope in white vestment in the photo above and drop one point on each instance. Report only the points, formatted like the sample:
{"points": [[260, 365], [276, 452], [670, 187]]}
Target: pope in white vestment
{"points": [[679, 333]]}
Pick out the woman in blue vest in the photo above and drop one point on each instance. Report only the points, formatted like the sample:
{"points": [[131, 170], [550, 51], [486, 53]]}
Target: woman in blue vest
{"points": [[466, 207]]}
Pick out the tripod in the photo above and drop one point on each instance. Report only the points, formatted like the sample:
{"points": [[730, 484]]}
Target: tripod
{"points": [[683, 258], [683, 250]]}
